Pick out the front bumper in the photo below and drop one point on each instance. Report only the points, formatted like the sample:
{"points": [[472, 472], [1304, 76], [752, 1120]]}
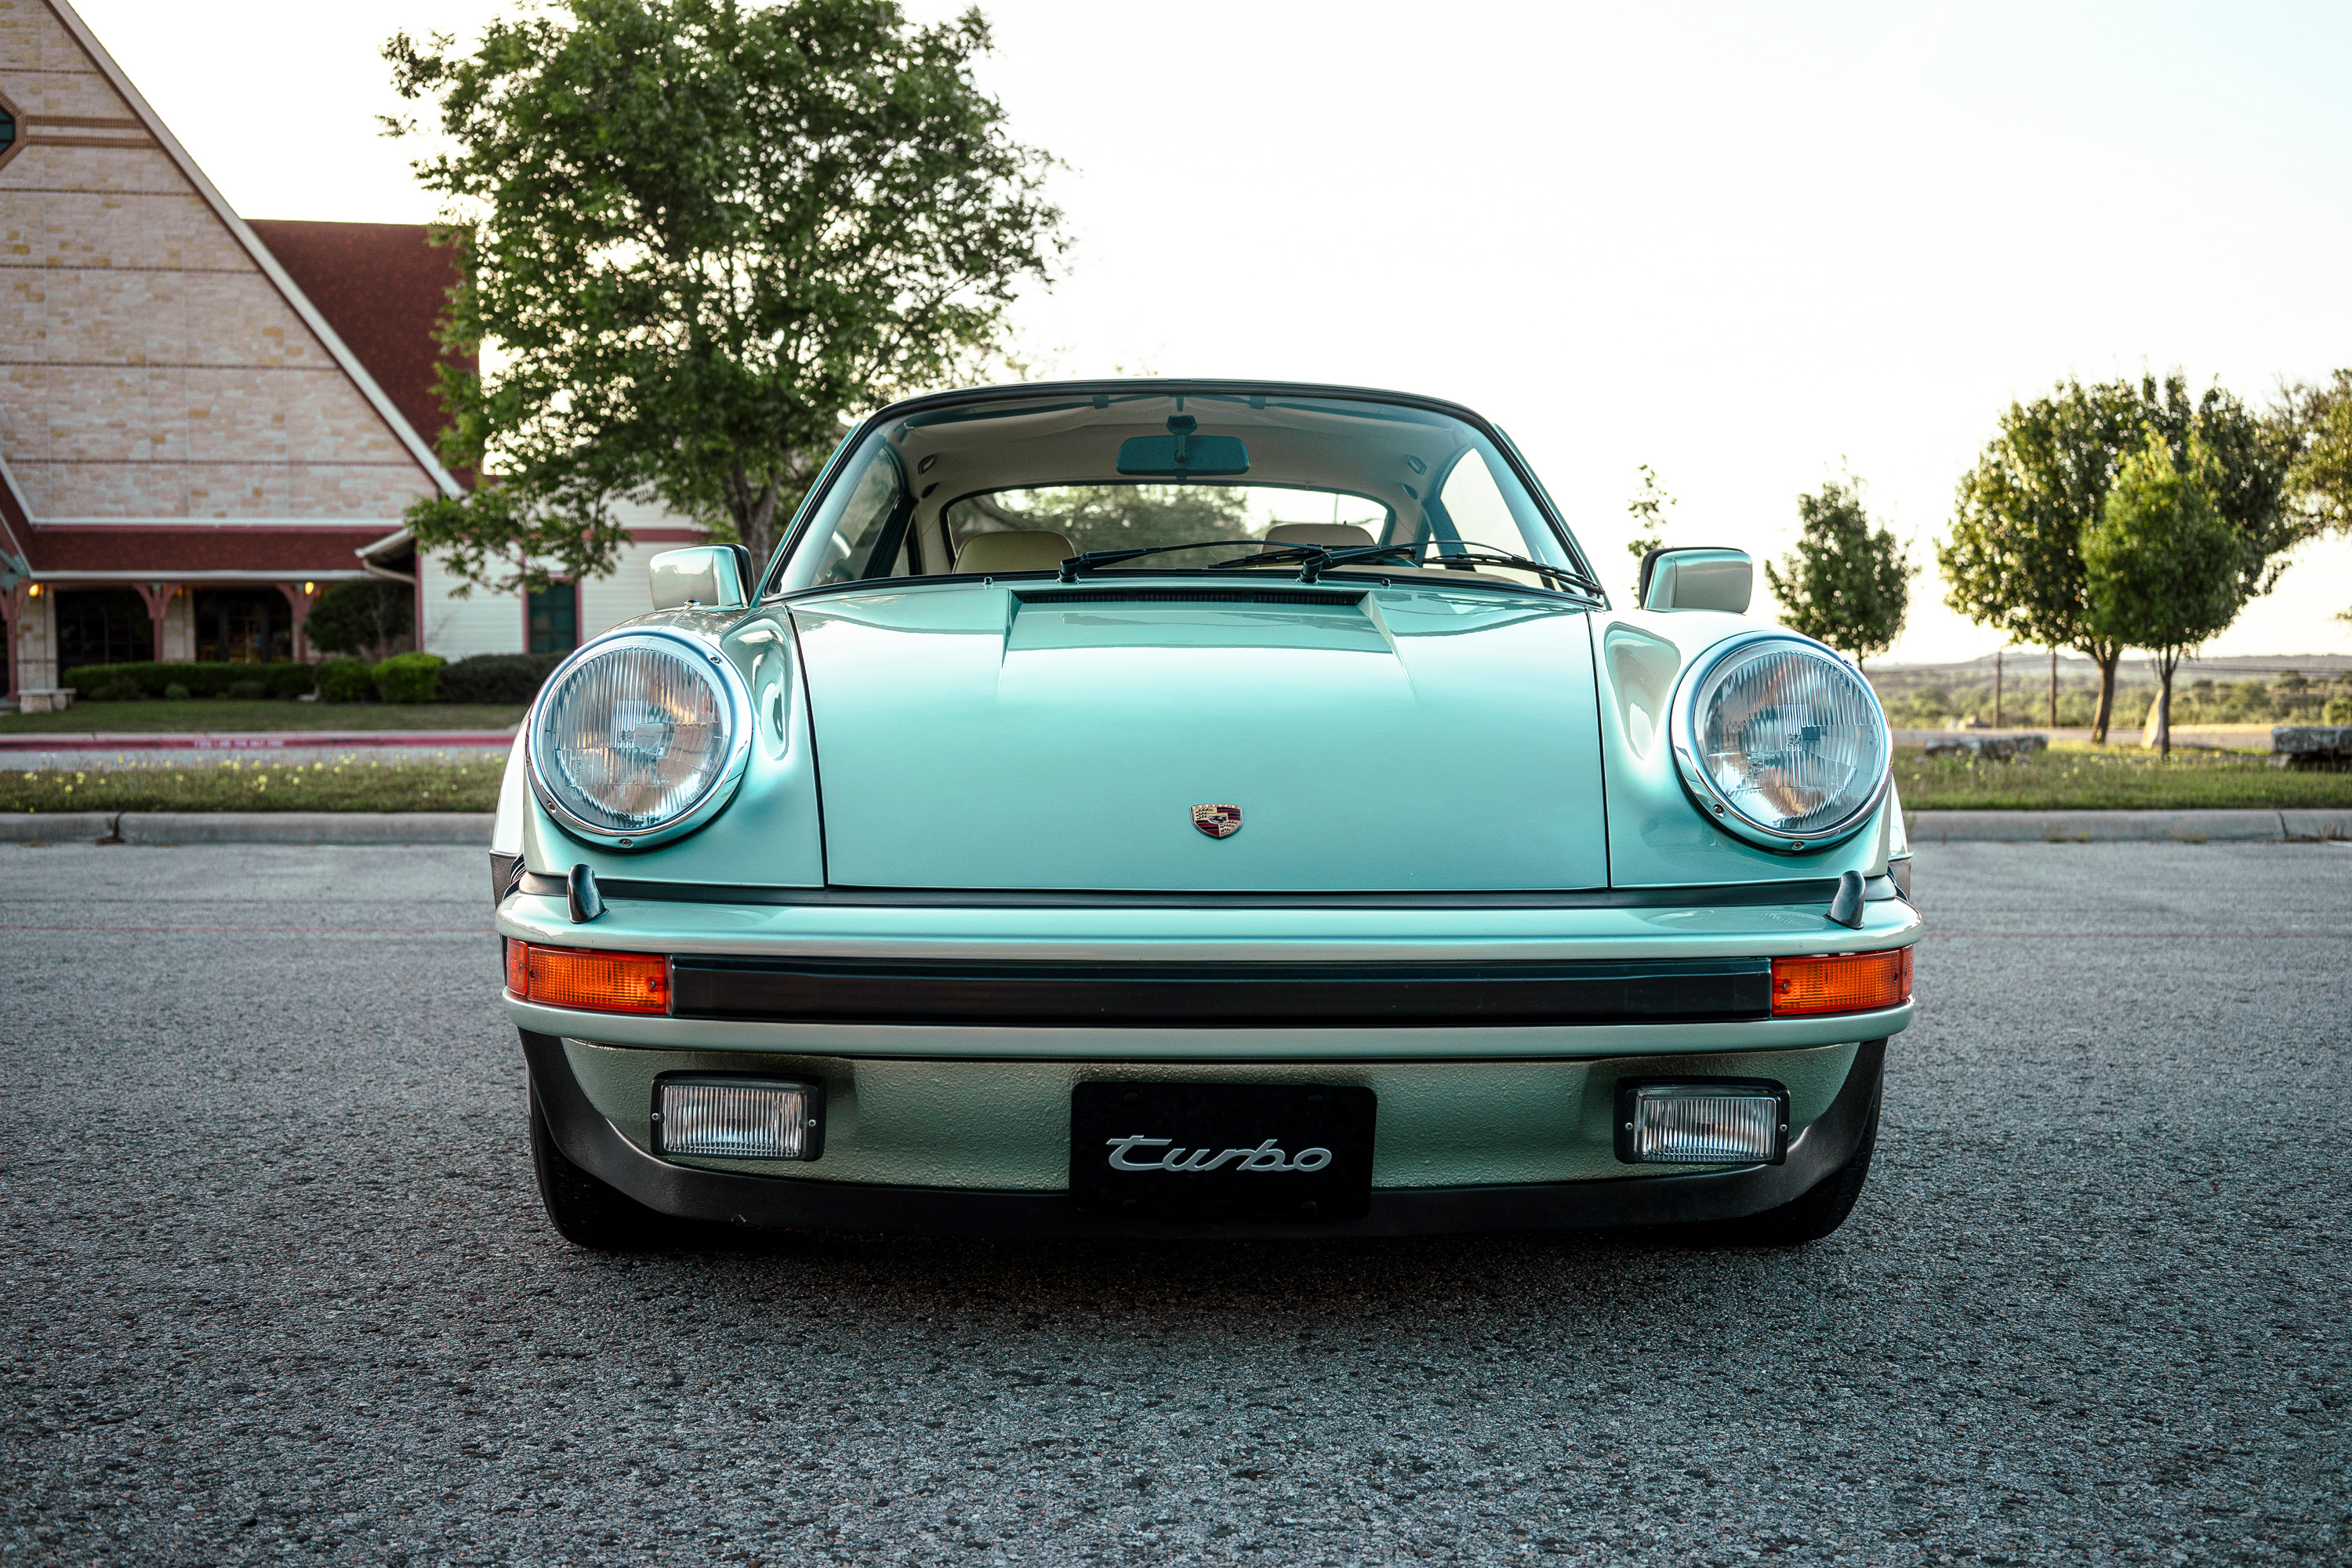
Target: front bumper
{"points": [[976, 981], [593, 1140]]}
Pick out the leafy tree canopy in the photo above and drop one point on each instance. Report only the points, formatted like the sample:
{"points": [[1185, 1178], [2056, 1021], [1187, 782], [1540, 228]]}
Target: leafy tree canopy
{"points": [[2163, 566], [1648, 509], [704, 234], [2320, 483], [1112, 516], [1844, 583], [2013, 557]]}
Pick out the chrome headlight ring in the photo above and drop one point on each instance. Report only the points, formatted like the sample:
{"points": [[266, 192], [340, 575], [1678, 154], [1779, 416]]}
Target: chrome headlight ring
{"points": [[1852, 716], [703, 689]]}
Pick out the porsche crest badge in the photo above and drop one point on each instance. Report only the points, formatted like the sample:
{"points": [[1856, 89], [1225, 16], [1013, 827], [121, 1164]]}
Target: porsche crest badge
{"points": [[1218, 821]]}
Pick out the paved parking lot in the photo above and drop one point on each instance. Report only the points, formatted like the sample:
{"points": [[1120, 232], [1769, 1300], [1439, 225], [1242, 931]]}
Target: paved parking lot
{"points": [[277, 1284]]}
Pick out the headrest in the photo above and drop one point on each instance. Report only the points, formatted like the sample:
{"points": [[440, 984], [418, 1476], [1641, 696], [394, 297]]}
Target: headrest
{"points": [[1026, 550], [1330, 535]]}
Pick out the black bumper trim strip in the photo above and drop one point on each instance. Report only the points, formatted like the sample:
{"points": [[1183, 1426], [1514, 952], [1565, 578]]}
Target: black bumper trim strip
{"points": [[1221, 996], [596, 1145], [1811, 891]]}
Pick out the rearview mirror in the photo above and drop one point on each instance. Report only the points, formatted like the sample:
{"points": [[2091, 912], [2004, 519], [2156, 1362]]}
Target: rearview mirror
{"points": [[1182, 455], [710, 576], [1709, 579]]}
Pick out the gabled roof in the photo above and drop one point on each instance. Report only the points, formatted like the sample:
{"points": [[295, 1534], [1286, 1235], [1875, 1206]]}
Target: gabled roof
{"points": [[383, 287], [347, 361]]}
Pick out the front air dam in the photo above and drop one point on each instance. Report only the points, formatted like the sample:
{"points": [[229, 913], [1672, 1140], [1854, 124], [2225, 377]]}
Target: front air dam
{"points": [[778, 1203]]}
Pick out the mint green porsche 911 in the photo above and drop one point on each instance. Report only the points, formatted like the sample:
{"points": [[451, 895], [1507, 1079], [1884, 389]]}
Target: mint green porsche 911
{"points": [[1189, 808]]}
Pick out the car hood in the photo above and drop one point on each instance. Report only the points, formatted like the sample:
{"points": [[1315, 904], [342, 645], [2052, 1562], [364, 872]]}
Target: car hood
{"points": [[985, 735]]}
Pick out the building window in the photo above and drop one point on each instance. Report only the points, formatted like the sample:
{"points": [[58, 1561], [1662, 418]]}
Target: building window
{"points": [[556, 620], [244, 627], [108, 627], [7, 130]]}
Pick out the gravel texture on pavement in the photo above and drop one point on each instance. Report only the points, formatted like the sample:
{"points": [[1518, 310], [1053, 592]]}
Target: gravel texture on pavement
{"points": [[278, 1287]]}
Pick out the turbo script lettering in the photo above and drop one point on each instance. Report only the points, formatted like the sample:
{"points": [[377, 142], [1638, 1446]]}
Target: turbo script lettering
{"points": [[1266, 1156]]}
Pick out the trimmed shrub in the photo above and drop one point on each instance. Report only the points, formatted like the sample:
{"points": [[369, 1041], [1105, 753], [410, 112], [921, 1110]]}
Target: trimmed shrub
{"points": [[359, 617], [248, 690], [410, 677], [198, 679], [347, 681], [498, 677], [175, 692], [113, 689]]}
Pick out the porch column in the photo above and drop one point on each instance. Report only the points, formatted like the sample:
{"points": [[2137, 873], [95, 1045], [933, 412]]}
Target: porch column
{"points": [[12, 615], [300, 598], [158, 596]]}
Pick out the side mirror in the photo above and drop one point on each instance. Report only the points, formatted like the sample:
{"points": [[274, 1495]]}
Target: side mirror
{"points": [[712, 576], [1711, 579]]}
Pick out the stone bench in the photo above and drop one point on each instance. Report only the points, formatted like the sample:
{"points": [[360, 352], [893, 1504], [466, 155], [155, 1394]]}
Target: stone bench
{"points": [[1992, 748], [45, 699], [2311, 745]]}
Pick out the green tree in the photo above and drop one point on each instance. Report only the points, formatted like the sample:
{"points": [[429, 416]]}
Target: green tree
{"points": [[704, 234], [1648, 509], [2320, 483], [2163, 566], [2013, 559], [1112, 516], [364, 618], [1843, 584]]}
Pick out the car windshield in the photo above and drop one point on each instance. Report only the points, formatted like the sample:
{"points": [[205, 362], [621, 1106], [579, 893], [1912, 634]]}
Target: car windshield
{"points": [[1002, 486]]}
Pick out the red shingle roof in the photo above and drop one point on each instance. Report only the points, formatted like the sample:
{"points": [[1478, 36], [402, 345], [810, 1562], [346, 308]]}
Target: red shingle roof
{"points": [[258, 548]]}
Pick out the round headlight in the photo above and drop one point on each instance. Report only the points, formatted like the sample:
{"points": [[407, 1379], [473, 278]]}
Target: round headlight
{"points": [[639, 737], [1782, 742]]}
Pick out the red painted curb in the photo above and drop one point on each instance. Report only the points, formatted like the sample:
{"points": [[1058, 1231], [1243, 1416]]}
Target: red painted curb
{"points": [[272, 741]]}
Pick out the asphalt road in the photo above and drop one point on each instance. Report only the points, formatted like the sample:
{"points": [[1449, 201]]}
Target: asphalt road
{"points": [[276, 1285]]}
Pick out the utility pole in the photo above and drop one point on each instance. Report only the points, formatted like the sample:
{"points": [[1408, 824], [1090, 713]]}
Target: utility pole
{"points": [[1996, 687]]}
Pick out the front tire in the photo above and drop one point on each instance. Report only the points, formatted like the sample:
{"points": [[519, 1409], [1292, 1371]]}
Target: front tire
{"points": [[585, 1211]]}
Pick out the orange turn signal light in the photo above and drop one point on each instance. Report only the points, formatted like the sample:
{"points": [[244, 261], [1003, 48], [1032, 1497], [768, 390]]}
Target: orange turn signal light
{"points": [[592, 981], [1840, 982]]}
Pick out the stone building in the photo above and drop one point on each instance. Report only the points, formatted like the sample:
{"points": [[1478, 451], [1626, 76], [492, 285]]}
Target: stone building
{"points": [[207, 422]]}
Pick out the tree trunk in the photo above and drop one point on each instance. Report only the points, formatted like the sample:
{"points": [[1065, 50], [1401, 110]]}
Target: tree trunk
{"points": [[2054, 688], [753, 511], [2105, 656], [1996, 687], [2166, 663]]}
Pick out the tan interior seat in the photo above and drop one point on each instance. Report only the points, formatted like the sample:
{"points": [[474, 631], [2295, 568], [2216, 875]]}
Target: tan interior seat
{"points": [[1021, 550]]}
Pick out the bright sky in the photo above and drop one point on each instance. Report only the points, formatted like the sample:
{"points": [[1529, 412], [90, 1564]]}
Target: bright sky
{"points": [[1748, 244]]}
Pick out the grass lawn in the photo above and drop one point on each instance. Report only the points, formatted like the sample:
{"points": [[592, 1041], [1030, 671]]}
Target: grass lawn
{"points": [[221, 713], [2108, 778], [358, 783]]}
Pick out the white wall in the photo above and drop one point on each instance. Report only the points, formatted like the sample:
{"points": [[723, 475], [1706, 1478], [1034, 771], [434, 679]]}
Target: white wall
{"points": [[606, 602], [456, 628], [494, 623]]}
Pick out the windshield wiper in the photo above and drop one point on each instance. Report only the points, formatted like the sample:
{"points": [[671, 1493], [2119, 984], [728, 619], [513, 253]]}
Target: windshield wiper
{"points": [[1352, 554], [1086, 561], [1316, 559]]}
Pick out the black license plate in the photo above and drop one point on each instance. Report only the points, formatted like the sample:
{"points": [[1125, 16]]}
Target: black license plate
{"points": [[1243, 1151]]}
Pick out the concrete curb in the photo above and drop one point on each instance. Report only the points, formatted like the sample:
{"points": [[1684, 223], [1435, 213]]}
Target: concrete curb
{"points": [[57, 827], [2125, 826], [161, 827]]}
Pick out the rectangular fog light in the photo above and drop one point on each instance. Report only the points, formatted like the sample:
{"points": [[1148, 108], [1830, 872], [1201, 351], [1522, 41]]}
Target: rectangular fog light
{"points": [[726, 1118], [1702, 1121]]}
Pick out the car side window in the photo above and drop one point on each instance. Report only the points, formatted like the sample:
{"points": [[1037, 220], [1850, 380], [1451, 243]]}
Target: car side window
{"points": [[1476, 504], [859, 528]]}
